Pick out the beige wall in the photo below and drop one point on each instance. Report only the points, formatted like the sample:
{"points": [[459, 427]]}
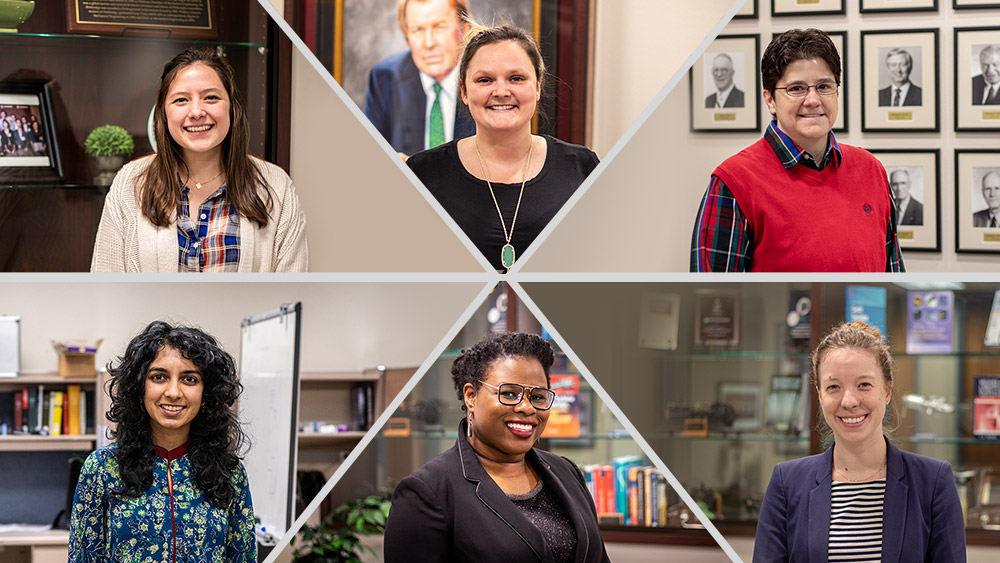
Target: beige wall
{"points": [[639, 214], [345, 326]]}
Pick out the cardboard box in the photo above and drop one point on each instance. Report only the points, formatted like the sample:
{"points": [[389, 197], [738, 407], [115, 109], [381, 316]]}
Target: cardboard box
{"points": [[76, 358]]}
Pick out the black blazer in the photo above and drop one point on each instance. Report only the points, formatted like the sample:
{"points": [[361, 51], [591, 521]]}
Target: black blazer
{"points": [[451, 510], [914, 96], [735, 99], [914, 213], [395, 103], [979, 88]]}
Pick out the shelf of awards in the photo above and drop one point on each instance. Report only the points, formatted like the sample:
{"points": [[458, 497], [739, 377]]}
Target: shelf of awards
{"points": [[39, 443], [144, 37]]}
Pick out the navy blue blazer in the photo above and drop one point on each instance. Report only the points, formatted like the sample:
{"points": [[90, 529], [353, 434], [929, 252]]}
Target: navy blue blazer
{"points": [[395, 103], [921, 518], [451, 510]]}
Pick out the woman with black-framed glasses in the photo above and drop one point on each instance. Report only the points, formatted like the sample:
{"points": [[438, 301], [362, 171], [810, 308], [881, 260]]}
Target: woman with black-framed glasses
{"points": [[494, 496]]}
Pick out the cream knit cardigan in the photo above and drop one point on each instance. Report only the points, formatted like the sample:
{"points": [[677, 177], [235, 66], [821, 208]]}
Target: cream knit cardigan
{"points": [[128, 242]]}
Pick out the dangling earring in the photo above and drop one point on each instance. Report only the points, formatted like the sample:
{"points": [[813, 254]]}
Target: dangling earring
{"points": [[468, 427]]}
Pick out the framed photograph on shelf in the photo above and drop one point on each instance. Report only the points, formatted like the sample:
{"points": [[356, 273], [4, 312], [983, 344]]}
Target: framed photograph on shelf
{"points": [[745, 398], [839, 39], [875, 6], [899, 81], [29, 148], [977, 200], [974, 4], [914, 177], [977, 79], [724, 86], [806, 7], [748, 11]]}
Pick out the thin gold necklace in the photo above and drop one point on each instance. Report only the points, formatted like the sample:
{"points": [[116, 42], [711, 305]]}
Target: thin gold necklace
{"points": [[868, 478], [507, 251], [198, 185]]}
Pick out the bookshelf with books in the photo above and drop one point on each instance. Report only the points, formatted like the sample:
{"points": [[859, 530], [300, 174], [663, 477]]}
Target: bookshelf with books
{"points": [[48, 413]]}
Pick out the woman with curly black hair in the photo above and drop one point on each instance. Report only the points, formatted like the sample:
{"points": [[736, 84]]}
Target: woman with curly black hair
{"points": [[172, 487], [494, 496]]}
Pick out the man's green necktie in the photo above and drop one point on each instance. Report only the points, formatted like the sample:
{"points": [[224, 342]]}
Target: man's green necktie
{"points": [[436, 131]]}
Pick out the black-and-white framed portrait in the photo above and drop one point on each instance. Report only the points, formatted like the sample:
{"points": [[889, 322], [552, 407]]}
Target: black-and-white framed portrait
{"points": [[977, 200], [914, 177], [875, 6], [839, 39], [748, 11], [899, 80], [725, 86], [977, 79], [974, 4], [29, 148], [806, 7]]}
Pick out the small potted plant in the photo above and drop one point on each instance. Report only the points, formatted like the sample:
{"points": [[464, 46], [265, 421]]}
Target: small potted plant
{"points": [[110, 145], [338, 538]]}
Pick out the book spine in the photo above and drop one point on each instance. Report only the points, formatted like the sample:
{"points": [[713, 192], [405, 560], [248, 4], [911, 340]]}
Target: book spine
{"points": [[73, 410], [18, 413], [55, 413], [633, 496]]}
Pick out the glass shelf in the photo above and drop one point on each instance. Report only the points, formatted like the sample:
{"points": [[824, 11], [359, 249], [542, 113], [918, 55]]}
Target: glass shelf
{"points": [[261, 46], [52, 187]]}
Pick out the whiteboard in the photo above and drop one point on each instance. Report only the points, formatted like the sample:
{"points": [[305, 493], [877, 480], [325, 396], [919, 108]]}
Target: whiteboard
{"points": [[269, 371], [10, 346]]}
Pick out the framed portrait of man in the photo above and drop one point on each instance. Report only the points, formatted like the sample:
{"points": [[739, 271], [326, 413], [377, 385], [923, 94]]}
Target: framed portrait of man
{"points": [[876, 6], [899, 80], [839, 39], [914, 182], [974, 4], [977, 200], [724, 86], [977, 79], [810, 7]]}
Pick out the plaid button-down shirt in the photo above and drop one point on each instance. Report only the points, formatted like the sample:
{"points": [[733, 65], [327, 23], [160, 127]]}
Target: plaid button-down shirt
{"points": [[722, 239], [210, 240]]}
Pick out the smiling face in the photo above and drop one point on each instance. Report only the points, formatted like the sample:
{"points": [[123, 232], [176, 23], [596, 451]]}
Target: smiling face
{"points": [[722, 71], [989, 60], [807, 120], [197, 110], [899, 182], [853, 395], [506, 432], [501, 88], [434, 34], [172, 397], [899, 67]]}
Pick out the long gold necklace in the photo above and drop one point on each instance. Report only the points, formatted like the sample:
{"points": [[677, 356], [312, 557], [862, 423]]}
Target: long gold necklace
{"points": [[197, 184], [507, 251]]}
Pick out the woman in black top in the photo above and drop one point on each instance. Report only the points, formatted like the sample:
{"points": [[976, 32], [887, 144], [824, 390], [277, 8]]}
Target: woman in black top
{"points": [[502, 185]]}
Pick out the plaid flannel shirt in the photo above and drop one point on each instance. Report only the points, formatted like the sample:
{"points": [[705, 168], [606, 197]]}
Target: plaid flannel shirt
{"points": [[210, 240]]}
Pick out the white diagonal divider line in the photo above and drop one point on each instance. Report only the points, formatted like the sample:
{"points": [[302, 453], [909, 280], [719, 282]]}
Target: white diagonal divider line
{"points": [[629, 133], [390, 409], [629, 427], [353, 108]]}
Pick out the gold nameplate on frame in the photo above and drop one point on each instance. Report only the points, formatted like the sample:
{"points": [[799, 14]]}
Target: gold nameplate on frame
{"points": [[991, 115], [900, 116], [724, 116], [991, 237], [905, 235]]}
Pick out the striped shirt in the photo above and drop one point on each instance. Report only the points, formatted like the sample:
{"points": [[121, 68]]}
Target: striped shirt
{"points": [[856, 522], [723, 241], [210, 240]]}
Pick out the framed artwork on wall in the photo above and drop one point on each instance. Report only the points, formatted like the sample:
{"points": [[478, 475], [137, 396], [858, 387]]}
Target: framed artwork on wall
{"points": [[977, 79], [748, 11], [806, 7], [899, 80], [724, 86], [977, 201], [875, 6], [974, 4], [914, 178]]}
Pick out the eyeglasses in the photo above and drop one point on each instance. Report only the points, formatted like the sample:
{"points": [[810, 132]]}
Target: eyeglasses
{"points": [[800, 90], [512, 393]]}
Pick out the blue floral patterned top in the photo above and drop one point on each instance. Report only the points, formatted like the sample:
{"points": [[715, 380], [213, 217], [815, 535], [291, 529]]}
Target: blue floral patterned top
{"points": [[172, 522]]}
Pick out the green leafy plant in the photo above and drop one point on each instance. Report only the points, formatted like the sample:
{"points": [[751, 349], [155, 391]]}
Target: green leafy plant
{"points": [[338, 538], [109, 140]]}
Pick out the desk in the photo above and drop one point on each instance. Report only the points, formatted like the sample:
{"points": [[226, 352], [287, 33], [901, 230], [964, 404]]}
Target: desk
{"points": [[34, 547]]}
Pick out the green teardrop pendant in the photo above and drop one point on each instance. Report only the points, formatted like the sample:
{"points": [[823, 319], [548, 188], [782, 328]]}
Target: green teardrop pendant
{"points": [[507, 255]]}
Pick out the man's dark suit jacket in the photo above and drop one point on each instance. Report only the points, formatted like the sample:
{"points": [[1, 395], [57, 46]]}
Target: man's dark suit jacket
{"points": [[978, 88], [914, 214], [914, 96], [922, 516], [395, 103], [981, 218], [735, 99], [451, 510]]}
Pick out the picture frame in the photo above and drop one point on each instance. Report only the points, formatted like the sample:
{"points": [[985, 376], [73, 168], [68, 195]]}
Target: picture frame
{"points": [[189, 19], [916, 173], [748, 11], [977, 54], [839, 39], [909, 56], [746, 400], [977, 201], [877, 6], [807, 7], [974, 4], [740, 112], [32, 157]]}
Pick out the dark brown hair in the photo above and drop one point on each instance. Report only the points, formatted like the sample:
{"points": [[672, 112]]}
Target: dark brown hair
{"points": [[797, 45], [159, 190], [480, 36]]}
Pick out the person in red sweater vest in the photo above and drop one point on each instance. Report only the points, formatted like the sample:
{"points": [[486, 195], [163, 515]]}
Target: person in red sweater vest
{"points": [[797, 200]]}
